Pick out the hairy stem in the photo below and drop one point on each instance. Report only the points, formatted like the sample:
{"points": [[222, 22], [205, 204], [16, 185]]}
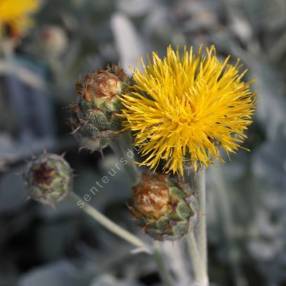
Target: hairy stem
{"points": [[163, 270], [197, 239], [199, 271], [110, 225], [122, 147], [200, 190]]}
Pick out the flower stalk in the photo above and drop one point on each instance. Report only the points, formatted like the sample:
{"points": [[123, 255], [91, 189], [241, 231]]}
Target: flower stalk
{"points": [[197, 238], [111, 226], [199, 270], [163, 270], [122, 147], [130, 238], [200, 190]]}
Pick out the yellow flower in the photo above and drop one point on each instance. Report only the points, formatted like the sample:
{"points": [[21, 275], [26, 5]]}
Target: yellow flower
{"points": [[15, 14], [186, 107]]}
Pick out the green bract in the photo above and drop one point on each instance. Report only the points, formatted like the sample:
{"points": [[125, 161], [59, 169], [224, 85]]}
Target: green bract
{"points": [[161, 207], [95, 116], [48, 178]]}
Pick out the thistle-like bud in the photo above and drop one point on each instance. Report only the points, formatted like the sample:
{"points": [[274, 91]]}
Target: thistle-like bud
{"points": [[161, 207], [52, 41], [48, 178], [95, 118]]}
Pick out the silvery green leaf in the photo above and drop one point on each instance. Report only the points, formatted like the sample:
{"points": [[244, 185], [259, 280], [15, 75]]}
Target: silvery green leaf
{"points": [[54, 237], [266, 14], [13, 195], [129, 43], [263, 250], [135, 8], [161, 28], [269, 163], [109, 280], [62, 273], [271, 104]]}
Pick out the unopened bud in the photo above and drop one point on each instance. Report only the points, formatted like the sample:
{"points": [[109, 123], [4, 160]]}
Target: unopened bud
{"points": [[161, 207], [95, 115], [48, 178]]}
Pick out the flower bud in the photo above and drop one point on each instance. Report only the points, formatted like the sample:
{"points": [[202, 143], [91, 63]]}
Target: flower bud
{"points": [[52, 41], [161, 207], [48, 178], [95, 118]]}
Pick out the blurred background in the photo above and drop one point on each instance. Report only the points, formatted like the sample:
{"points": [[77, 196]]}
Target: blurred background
{"points": [[39, 65]]}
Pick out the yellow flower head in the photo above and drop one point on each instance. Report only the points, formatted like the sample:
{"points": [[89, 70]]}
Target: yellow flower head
{"points": [[185, 107], [15, 14]]}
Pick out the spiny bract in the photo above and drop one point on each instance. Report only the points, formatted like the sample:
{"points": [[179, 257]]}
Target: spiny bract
{"points": [[161, 207], [185, 107], [48, 178], [94, 116]]}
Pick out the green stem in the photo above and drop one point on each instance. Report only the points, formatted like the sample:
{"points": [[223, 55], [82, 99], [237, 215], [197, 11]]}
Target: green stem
{"points": [[111, 226], [199, 270], [122, 147], [163, 271], [200, 189], [197, 239]]}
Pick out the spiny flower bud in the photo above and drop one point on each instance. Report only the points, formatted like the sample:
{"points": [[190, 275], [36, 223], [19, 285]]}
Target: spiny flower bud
{"points": [[161, 207], [48, 178], [95, 118]]}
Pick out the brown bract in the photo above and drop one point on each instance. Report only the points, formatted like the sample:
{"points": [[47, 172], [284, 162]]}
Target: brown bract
{"points": [[43, 174], [151, 197], [101, 84]]}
